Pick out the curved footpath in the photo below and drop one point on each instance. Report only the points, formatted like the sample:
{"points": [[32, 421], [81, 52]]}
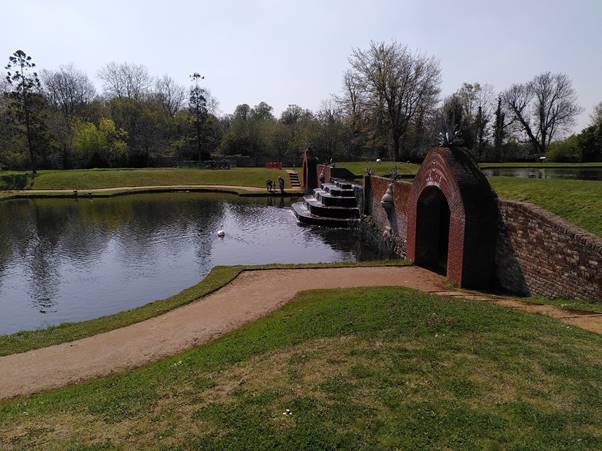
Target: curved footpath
{"points": [[250, 296]]}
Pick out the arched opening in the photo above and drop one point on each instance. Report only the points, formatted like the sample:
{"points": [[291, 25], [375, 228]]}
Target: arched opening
{"points": [[432, 230]]}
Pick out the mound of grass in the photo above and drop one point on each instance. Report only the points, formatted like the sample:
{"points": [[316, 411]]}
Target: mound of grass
{"points": [[577, 201], [82, 179], [343, 369]]}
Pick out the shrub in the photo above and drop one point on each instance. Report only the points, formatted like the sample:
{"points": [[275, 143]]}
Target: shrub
{"points": [[566, 150]]}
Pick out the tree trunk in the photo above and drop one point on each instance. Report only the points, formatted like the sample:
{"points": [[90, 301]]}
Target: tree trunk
{"points": [[396, 143]]}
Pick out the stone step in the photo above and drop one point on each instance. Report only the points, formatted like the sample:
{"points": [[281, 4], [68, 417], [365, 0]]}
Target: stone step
{"points": [[319, 209], [343, 184], [334, 190], [306, 217], [335, 201], [293, 178]]}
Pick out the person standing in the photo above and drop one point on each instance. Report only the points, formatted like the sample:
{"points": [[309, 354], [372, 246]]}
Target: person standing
{"points": [[281, 184]]}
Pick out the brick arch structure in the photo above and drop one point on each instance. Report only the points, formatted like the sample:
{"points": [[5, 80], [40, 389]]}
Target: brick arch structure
{"points": [[452, 176]]}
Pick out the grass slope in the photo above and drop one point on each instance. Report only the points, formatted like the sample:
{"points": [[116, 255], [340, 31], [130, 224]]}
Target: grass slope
{"points": [[112, 178], [577, 201], [358, 369]]}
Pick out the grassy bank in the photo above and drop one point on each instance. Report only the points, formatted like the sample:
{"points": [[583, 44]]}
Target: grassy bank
{"points": [[382, 168], [356, 369], [82, 179], [217, 278], [542, 165], [577, 201]]}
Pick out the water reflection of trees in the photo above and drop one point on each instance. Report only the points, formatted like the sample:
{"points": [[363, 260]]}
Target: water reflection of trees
{"points": [[43, 235]]}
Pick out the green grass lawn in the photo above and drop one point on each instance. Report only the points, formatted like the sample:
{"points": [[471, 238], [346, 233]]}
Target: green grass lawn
{"points": [[577, 201], [542, 165], [82, 179], [382, 168], [343, 369]]}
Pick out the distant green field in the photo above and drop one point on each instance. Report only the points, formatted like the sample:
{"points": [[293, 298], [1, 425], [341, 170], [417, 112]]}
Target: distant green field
{"points": [[578, 201], [542, 165], [382, 168], [82, 179]]}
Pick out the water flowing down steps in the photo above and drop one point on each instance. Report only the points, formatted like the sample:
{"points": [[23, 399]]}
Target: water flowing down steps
{"points": [[293, 178], [333, 204]]}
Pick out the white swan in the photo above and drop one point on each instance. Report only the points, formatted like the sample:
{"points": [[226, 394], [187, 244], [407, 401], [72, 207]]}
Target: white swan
{"points": [[221, 232]]}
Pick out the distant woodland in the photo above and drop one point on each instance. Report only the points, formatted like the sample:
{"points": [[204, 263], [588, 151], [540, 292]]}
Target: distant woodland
{"points": [[389, 106]]}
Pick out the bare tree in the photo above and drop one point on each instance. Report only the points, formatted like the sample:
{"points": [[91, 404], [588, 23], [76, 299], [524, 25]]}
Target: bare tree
{"points": [[127, 80], [544, 107], [477, 103], [597, 115], [68, 89], [397, 82], [170, 94], [4, 85]]}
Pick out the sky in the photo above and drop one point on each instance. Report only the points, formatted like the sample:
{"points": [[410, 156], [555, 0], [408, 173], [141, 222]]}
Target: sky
{"points": [[295, 52]]}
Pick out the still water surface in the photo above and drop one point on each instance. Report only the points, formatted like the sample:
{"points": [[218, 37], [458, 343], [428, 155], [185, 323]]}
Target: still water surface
{"points": [[592, 173], [70, 260]]}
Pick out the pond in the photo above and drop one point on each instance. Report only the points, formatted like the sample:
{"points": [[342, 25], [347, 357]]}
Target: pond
{"points": [[583, 173], [65, 260]]}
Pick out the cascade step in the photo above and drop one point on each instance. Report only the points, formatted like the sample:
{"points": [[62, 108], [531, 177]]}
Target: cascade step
{"points": [[307, 217], [334, 190], [335, 201], [319, 209], [343, 184]]}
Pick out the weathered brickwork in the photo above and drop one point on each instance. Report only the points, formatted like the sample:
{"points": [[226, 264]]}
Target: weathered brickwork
{"points": [[539, 253], [393, 226], [531, 250]]}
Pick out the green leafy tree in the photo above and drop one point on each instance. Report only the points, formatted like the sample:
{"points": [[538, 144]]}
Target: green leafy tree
{"points": [[566, 150], [197, 105], [29, 104], [99, 146]]}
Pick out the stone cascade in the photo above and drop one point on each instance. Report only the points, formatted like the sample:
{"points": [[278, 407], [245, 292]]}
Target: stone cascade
{"points": [[333, 204]]}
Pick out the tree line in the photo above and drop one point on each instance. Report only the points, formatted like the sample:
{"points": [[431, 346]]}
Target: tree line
{"points": [[389, 106]]}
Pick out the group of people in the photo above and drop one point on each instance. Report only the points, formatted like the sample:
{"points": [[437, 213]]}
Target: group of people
{"points": [[270, 185]]}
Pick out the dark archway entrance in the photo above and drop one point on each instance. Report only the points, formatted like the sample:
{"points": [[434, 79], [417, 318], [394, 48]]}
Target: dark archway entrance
{"points": [[449, 180], [432, 230]]}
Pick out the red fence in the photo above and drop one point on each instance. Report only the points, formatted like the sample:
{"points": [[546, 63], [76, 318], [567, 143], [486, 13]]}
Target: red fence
{"points": [[274, 165]]}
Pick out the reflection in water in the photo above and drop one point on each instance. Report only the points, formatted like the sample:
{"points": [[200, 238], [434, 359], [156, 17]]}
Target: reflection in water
{"points": [[74, 259], [547, 173]]}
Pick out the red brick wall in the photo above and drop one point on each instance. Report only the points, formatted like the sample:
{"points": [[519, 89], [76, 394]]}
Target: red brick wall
{"points": [[327, 175], [396, 227], [539, 253], [536, 252]]}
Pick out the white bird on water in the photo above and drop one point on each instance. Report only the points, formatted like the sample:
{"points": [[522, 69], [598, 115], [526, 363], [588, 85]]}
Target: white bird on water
{"points": [[221, 232]]}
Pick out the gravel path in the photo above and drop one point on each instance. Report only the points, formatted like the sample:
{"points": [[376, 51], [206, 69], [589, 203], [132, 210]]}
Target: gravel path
{"points": [[250, 296]]}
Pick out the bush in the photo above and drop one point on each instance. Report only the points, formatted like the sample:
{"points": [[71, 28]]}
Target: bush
{"points": [[99, 146], [567, 150]]}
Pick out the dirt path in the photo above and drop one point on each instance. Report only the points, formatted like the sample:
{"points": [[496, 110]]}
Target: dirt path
{"points": [[250, 296]]}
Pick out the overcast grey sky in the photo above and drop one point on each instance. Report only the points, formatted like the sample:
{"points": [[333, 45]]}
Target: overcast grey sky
{"points": [[286, 52]]}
